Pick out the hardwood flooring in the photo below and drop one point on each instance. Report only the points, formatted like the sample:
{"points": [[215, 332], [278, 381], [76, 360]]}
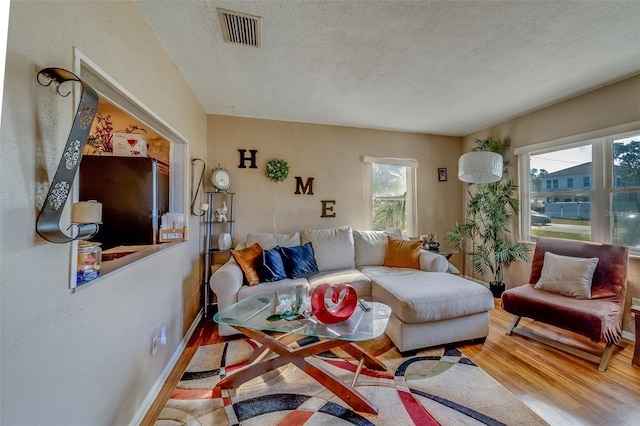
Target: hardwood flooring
{"points": [[561, 388]]}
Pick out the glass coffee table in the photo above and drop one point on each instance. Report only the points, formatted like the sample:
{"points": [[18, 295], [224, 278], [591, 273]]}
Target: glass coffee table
{"points": [[249, 316]]}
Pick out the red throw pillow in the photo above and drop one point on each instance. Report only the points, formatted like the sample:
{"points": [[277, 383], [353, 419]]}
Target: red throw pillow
{"points": [[402, 253], [249, 260]]}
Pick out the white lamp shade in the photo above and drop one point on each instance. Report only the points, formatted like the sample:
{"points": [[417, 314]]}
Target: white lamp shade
{"points": [[480, 167]]}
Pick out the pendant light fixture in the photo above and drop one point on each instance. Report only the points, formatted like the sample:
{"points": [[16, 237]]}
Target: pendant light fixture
{"points": [[480, 167]]}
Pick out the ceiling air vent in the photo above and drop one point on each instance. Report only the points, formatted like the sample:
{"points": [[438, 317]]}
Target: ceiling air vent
{"points": [[240, 28]]}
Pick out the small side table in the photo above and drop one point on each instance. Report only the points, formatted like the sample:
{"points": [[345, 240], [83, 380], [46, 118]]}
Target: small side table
{"points": [[445, 253], [636, 352]]}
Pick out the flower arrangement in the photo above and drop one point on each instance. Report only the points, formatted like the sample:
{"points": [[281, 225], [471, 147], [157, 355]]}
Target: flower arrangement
{"points": [[277, 169], [103, 132], [292, 309]]}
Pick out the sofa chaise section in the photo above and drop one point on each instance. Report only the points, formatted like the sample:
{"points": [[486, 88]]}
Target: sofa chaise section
{"points": [[430, 308]]}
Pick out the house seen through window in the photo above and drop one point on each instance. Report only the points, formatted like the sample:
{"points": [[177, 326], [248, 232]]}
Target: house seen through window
{"points": [[604, 208]]}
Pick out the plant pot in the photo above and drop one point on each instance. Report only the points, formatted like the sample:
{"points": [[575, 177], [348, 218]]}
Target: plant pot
{"points": [[497, 288]]}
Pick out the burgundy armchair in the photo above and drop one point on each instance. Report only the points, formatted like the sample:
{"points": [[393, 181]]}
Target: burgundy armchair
{"points": [[598, 318]]}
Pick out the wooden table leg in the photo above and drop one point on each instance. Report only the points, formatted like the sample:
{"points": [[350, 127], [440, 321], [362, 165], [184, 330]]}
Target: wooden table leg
{"points": [[263, 351], [283, 354], [355, 399], [369, 360]]}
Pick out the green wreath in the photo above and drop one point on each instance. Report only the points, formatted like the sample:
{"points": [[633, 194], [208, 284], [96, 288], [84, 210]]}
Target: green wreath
{"points": [[277, 169]]}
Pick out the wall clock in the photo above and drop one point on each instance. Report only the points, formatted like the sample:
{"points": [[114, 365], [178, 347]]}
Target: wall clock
{"points": [[220, 178]]}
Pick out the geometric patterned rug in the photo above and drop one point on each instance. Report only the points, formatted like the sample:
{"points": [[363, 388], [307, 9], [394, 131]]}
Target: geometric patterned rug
{"points": [[428, 387]]}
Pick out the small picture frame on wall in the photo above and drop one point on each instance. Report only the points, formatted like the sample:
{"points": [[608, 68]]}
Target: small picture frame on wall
{"points": [[442, 174]]}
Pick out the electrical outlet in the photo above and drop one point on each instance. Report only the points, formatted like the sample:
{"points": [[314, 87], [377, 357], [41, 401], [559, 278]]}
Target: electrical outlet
{"points": [[155, 342], [159, 338]]}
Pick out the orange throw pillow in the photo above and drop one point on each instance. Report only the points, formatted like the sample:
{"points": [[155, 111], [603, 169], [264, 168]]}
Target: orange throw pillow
{"points": [[402, 253], [248, 259]]}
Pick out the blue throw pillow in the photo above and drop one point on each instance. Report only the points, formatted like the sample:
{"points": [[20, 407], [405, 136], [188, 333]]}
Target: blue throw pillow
{"points": [[299, 261], [272, 266]]}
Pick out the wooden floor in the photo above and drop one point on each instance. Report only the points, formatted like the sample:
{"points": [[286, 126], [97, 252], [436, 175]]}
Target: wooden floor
{"points": [[562, 389]]}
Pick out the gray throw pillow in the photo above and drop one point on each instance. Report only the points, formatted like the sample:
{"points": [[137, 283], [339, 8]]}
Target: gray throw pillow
{"points": [[569, 276]]}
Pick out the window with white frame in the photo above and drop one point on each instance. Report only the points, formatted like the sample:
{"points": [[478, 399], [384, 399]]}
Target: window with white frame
{"points": [[393, 193], [604, 203]]}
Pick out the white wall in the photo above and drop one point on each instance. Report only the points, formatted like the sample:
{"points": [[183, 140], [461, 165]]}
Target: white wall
{"points": [[83, 358]]}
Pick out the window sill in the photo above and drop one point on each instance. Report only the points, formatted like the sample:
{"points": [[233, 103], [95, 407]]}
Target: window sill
{"points": [[633, 253]]}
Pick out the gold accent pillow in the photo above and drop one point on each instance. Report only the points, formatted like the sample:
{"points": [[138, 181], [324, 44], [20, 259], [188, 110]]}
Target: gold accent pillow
{"points": [[249, 260], [403, 253]]}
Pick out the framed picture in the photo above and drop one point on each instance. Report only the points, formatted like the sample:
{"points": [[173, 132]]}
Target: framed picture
{"points": [[442, 174]]}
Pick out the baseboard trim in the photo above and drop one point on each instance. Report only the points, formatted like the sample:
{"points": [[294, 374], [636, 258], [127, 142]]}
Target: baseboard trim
{"points": [[629, 336], [155, 390]]}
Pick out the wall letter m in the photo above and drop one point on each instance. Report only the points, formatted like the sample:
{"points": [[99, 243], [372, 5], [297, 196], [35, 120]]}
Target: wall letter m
{"points": [[306, 187]]}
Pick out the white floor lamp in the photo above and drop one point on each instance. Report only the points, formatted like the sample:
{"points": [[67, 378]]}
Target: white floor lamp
{"points": [[477, 167]]}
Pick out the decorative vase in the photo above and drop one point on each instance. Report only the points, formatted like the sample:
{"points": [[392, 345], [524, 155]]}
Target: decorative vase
{"points": [[497, 288], [333, 303], [224, 241]]}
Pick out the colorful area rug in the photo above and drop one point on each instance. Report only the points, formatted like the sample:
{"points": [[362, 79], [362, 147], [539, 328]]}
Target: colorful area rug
{"points": [[430, 387]]}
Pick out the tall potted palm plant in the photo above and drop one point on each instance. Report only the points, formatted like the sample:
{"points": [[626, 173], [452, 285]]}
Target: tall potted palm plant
{"points": [[487, 223]]}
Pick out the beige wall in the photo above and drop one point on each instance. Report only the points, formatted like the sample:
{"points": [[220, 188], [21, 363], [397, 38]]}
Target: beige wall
{"points": [[610, 106], [83, 358], [332, 155]]}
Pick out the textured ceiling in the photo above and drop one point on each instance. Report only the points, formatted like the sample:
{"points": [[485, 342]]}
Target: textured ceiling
{"points": [[448, 67]]}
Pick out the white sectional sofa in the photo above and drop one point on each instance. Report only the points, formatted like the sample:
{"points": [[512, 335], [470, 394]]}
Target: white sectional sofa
{"points": [[430, 306]]}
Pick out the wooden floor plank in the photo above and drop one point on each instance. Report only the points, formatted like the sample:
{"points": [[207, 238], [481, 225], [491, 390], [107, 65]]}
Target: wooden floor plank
{"points": [[561, 388]]}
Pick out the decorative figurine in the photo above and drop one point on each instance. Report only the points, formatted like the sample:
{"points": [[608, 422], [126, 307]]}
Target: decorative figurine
{"points": [[333, 303], [432, 242], [221, 213]]}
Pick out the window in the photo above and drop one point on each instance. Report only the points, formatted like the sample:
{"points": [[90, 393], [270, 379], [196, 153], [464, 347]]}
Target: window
{"points": [[393, 194], [555, 184], [625, 191], [109, 90], [606, 208]]}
